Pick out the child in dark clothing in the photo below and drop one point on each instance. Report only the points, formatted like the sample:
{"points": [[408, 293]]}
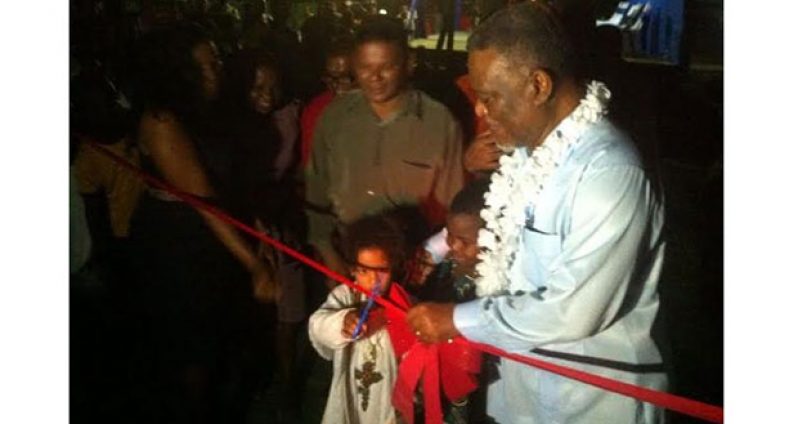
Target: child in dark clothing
{"points": [[452, 280]]}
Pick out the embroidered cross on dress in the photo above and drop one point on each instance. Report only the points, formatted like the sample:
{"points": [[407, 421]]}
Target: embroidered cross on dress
{"points": [[366, 376]]}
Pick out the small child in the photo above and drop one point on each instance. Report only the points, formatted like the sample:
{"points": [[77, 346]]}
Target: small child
{"points": [[364, 364], [452, 280]]}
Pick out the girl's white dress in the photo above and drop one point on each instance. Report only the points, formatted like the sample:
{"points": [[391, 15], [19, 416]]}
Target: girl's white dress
{"points": [[364, 371]]}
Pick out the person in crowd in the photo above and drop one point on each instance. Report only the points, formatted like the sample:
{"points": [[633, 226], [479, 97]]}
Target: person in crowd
{"points": [[408, 17], [381, 146], [480, 159], [189, 265], [338, 80], [317, 32], [452, 280], [447, 13], [273, 33], [482, 154], [364, 363], [572, 243], [264, 133], [109, 195], [98, 116]]}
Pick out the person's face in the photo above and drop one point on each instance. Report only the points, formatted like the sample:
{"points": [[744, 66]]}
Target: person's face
{"points": [[505, 99], [372, 267], [264, 94], [462, 232], [380, 70], [338, 74], [206, 57]]}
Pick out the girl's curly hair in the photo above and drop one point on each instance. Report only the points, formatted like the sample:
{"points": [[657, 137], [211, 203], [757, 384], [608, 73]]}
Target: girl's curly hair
{"points": [[395, 232]]}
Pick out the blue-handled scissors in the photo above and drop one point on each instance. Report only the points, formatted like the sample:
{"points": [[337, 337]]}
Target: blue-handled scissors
{"points": [[365, 312]]}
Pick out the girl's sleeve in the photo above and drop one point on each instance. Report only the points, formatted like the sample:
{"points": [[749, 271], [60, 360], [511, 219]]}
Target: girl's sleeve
{"points": [[325, 325]]}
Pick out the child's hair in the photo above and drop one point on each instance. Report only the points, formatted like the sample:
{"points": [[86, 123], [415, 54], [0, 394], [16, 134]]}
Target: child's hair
{"points": [[395, 232], [471, 199]]}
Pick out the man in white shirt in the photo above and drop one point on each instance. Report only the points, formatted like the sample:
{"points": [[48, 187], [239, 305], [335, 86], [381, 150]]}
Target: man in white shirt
{"points": [[572, 248]]}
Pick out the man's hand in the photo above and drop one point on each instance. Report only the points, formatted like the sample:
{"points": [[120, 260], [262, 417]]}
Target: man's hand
{"points": [[432, 322], [482, 155]]}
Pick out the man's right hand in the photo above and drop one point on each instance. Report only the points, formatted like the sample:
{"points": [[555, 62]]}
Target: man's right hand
{"points": [[482, 155]]}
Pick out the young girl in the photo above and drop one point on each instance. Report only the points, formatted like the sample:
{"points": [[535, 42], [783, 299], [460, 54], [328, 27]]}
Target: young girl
{"points": [[364, 363]]}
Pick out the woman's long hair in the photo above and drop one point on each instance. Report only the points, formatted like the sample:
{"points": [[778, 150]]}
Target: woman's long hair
{"points": [[168, 78]]}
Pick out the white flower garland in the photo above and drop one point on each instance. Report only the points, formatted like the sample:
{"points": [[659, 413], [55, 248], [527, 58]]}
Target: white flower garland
{"points": [[518, 183]]}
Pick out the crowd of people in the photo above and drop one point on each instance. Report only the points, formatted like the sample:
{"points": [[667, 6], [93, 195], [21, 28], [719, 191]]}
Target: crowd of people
{"points": [[524, 219]]}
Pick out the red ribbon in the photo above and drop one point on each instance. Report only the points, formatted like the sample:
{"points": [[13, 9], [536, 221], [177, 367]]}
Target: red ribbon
{"points": [[680, 404], [455, 364]]}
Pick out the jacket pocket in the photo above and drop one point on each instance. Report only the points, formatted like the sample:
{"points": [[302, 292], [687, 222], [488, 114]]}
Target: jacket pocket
{"points": [[541, 245]]}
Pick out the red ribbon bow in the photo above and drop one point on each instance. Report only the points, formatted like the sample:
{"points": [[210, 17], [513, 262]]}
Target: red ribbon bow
{"points": [[455, 363]]}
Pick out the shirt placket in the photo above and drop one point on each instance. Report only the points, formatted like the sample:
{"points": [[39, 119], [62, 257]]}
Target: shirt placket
{"points": [[379, 186]]}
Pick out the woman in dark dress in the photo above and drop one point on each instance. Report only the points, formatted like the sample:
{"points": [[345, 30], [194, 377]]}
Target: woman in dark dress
{"points": [[263, 126], [190, 267]]}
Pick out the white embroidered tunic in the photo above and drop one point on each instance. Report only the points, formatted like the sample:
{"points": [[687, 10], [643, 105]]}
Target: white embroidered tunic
{"points": [[353, 372]]}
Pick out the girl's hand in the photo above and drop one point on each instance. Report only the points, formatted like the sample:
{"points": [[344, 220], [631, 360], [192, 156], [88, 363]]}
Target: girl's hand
{"points": [[350, 323]]}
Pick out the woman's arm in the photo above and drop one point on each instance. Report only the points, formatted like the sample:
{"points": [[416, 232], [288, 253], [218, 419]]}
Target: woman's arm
{"points": [[174, 155]]}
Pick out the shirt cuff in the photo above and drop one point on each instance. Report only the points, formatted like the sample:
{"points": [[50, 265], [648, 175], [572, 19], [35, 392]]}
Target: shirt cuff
{"points": [[468, 321]]}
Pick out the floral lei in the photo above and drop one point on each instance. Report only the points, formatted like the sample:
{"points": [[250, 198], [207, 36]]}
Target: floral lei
{"points": [[510, 193]]}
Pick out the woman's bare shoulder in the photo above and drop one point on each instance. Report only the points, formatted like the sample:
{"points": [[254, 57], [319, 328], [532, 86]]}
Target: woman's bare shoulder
{"points": [[160, 128], [158, 119]]}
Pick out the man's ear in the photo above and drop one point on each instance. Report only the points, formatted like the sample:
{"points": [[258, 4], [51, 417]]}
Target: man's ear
{"points": [[539, 86]]}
